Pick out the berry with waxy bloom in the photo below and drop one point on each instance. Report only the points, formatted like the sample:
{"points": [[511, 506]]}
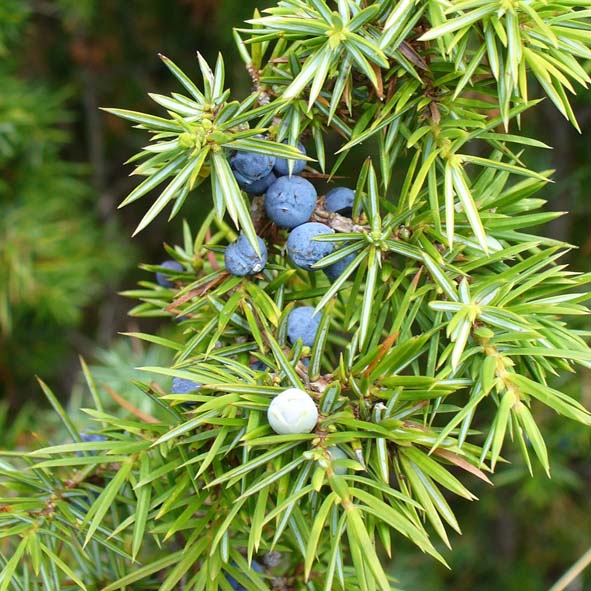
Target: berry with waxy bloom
{"points": [[236, 586], [256, 187], [334, 271], [303, 324], [183, 386], [303, 250], [290, 201], [90, 437], [162, 278], [340, 200], [241, 258], [282, 164], [251, 166], [259, 366]]}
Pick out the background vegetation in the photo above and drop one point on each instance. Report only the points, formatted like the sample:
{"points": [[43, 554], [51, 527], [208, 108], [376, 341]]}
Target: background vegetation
{"points": [[63, 257]]}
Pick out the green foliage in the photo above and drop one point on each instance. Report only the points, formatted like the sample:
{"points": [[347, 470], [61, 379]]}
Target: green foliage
{"points": [[437, 345], [199, 129], [54, 256], [50, 264], [13, 14], [524, 520], [113, 367]]}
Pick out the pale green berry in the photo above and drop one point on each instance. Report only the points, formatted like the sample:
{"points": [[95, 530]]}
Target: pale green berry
{"points": [[336, 453]]}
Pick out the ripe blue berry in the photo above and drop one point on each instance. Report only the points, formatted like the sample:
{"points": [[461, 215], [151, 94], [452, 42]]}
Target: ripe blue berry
{"points": [[292, 411], [334, 271], [303, 324], [236, 586], [304, 251], [88, 437], [183, 386], [251, 166], [258, 187], [174, 266], [259, 366], [282, 164], [290, 201], [340, 200], [241, 259]]}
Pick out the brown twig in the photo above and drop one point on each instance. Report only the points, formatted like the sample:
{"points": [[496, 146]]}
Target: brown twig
{"points": [[129, 407], [210, 256], [172, 307]]}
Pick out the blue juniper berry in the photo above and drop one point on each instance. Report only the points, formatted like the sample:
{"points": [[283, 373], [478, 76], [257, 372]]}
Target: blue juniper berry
{"points": [[236, 586], [340, 200], [90, 437], [334, 271], [290, 201], [256, 187], [304, 251], [250, 166], [162, 278], [282, 164], [303, 324], [241, 258]]}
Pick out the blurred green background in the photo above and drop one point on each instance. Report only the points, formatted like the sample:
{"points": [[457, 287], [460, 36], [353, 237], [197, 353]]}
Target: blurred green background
{"points": [[65, 252]]}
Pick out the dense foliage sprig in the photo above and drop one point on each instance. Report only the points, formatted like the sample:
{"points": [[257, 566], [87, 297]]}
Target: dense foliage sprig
{"points": [[54, 257], [447, 306]]}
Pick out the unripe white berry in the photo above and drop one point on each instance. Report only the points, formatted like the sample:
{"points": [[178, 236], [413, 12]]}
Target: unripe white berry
{"points": [[292, 411]]}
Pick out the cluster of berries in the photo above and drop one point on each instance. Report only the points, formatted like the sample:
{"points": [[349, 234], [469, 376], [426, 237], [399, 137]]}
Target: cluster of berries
{"points": [[290, 201]]}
